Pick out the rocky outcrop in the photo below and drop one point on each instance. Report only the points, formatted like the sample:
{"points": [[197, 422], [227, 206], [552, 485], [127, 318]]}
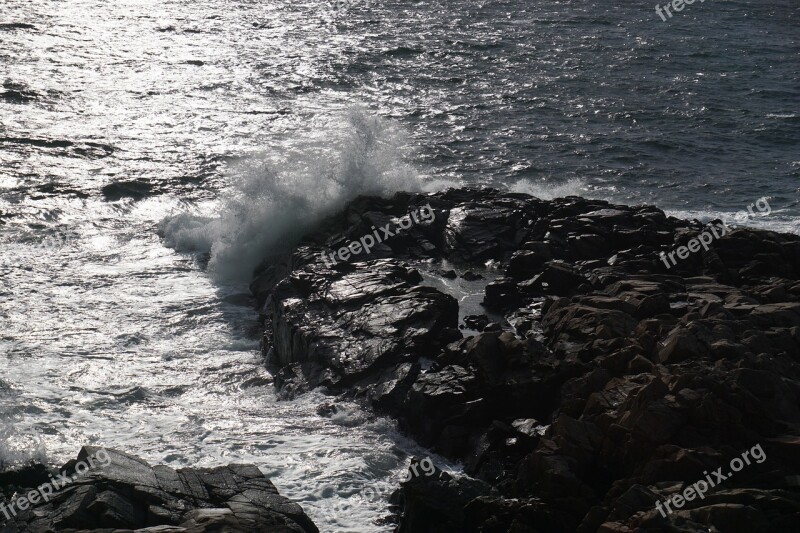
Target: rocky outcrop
{"points": [[124, 493], [614, 380]]}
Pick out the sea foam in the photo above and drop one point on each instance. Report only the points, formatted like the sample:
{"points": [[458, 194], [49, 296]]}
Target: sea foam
{"points": [[274, 199], [548, 190]]}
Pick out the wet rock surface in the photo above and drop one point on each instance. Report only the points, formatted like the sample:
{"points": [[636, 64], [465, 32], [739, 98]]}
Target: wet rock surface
{"points": [[124, 493], [615, 382]]}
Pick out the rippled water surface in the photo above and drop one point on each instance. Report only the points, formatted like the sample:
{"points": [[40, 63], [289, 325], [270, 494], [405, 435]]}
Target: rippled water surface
{"points": [[138, 137]]}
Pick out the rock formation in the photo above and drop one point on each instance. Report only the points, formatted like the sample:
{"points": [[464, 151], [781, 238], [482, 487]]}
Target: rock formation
{"points": [[613, 382], [127, 494]]}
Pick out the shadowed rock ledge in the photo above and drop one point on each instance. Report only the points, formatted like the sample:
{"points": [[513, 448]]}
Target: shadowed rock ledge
{"points": [[609, 382], [127, 494]]}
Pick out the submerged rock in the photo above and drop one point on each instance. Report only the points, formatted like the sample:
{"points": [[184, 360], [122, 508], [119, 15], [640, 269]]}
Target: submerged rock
{"points": [[625, 378]]}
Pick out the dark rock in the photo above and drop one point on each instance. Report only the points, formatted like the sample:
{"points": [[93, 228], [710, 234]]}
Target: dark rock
{"points": [[469, 275], [502, 294], [370, 321], [476, 322], [439, 399], [134, 189], [625, 381], [437, 503], [327, 409], [524, 264], [387, 391], [122, 492], [556, 278]]}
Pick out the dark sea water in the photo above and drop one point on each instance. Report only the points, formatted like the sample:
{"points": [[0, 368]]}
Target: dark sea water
{"points": [[136, 134]]}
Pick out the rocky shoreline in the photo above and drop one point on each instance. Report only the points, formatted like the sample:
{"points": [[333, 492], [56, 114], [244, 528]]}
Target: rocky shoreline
{"points": [[595, 381], [609, 383]]}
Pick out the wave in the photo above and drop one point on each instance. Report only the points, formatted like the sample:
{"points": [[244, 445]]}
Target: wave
{"points": [[776, 221], [273, 199], [549, 190], [17, 447]]}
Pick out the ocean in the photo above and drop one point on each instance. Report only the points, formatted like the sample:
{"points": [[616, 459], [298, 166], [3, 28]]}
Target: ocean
{"points": [[153, 151]]}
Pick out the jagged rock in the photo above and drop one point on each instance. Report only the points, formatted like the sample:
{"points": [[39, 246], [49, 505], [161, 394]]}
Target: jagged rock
{"points": [[437, 503], [356, 323], [122, 492], [502, 294], [388, 390], [556, 278], [626, 378], [476, 322]]}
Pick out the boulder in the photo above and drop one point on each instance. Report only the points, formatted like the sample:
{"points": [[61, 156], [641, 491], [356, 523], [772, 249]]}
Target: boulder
{"points": [[122, 492]]}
